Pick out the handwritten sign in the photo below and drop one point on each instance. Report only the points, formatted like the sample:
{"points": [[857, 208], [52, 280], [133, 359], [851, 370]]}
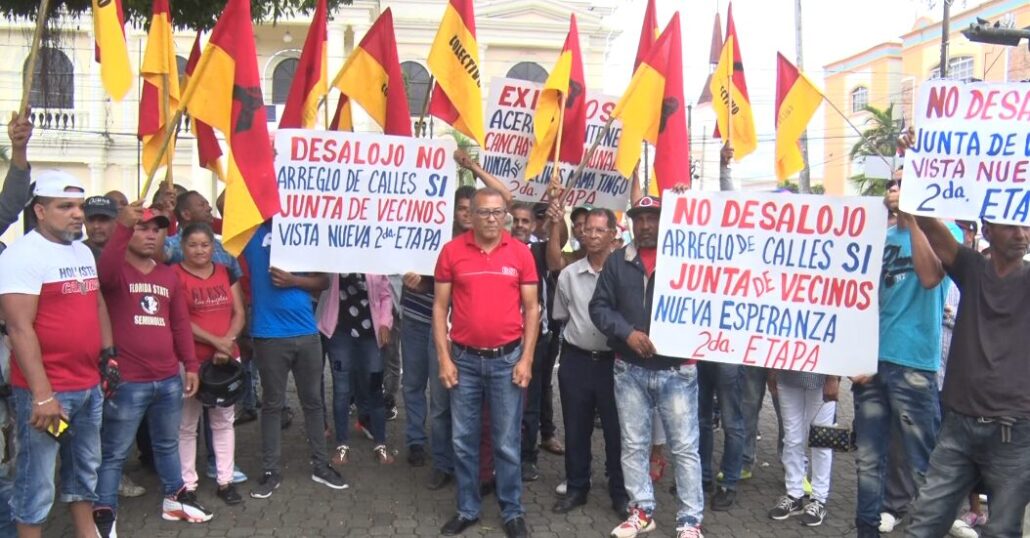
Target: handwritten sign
{"points": [[971, 155], [361, 203], [509, 138], [770, 280]]}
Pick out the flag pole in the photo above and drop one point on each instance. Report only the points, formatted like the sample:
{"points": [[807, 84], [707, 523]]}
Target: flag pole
{"points": [[166, 112], [860, 133], [590, 152], [191, 88], [30, 66], [555, 186], [421, 130]]}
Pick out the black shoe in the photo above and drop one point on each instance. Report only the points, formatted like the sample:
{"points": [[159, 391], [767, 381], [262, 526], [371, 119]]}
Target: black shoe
{"points": [[570, 501], [457, 525], [269, 482], [486, 488], [104, 520], [391, 412], [529, 472], [516, 528], [245, 416], [287, 417], [229, 495], [438, 480], [416, 456], [329, 477], [724, 499]]}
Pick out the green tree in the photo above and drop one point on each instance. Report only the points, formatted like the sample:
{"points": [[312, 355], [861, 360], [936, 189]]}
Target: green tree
{"points": [[881, 139], [191, 14], [793, 187]]}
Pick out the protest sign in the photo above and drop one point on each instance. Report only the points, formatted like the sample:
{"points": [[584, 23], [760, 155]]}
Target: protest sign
{"points": [[362, 203], [970, 158], [509, 138], [770, 280]]}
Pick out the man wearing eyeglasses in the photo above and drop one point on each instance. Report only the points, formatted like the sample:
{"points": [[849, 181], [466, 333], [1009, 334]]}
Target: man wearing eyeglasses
{"points": [[487, 281]]}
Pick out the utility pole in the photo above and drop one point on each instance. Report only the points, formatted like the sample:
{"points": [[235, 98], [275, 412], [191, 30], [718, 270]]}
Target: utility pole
{"points": [[945, 31], [804, 179]]}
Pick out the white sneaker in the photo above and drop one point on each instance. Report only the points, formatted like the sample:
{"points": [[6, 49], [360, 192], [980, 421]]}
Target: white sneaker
{"points": [[689, 532], [887, 522], [184, 507], [961, 529], [638, 522], [562, 488]]}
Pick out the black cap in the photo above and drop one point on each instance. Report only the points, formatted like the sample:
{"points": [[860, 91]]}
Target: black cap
{"points": [[100, 206]]}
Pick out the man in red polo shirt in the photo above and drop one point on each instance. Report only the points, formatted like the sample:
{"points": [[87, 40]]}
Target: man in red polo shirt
{"points": [[486, 280]]}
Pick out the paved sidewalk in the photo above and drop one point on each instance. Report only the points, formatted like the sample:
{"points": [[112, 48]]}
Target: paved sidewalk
{"points": [[393, 501]]}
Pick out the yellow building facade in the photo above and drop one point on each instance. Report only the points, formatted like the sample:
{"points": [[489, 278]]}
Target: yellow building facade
{"points": [[890, 73]]}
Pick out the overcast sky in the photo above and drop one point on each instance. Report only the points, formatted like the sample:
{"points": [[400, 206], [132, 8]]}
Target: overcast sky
{"points": [[833, 29]]}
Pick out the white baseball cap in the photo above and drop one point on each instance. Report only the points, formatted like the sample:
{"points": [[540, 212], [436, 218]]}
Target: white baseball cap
{"points": [[56, 184]]}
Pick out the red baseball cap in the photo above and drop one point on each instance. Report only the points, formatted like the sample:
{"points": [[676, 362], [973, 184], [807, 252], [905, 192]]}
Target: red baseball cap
{"points": [[647, 203], [151, 215]]}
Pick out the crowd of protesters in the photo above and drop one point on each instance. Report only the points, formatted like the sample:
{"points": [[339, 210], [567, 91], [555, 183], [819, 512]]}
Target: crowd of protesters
{"points": [[124, 342]]}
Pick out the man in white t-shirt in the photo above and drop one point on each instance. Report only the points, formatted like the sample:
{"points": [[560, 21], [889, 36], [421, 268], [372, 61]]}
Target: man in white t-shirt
{"points": [[58, 326]]}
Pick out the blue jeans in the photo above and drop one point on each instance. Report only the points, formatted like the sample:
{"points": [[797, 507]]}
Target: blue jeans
{"points": [[79, 448], [357, 362], [161, 403], [970, 448], [674, 393], [728, 381], [908, 397], [421, 367], [7, 450], [487, 380]]}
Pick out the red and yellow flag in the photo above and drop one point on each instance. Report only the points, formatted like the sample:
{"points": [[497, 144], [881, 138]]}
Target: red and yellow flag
{"points": [[160, 79], [310, 84], [648, 34], [209, 151], [731, 102], [372, 78], [342, 120], [797, 99], [652, 109], [225, 92], [713, 60], [454, 60], [111, 50], [566, 82]]}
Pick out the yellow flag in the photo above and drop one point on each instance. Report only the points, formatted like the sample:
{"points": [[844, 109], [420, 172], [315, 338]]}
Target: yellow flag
{"points": [[112, 52]]}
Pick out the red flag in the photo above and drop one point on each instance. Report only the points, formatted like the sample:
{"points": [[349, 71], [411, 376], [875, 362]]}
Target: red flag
{"points": [[372, 77], [310, 83], [713, 60], [226, 93], [209, 151], [738, 81], [565, 82], [648, 34], [652, 109], [454, 61]]}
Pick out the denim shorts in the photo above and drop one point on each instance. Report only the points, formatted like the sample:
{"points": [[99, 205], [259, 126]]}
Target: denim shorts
{"points": [[79, 448]]}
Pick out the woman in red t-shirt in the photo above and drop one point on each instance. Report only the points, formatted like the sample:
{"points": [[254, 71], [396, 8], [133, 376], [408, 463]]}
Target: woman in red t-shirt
{"points": [[215, 303]]}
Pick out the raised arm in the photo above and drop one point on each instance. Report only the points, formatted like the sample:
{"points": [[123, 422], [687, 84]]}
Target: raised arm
{"points": [[466, 162], [944, 245]]}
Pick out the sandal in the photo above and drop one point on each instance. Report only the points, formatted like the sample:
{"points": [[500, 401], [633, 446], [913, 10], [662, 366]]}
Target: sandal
{"points": [[340, 455], [382, 455]]}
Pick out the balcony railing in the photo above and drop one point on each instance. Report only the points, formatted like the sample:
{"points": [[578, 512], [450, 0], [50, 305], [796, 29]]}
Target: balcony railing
{"points": [[59, 119]]}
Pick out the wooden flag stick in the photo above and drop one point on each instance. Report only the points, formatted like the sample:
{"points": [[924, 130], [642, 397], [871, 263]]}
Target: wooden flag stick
{"points": [[555, 187], [165, 113], [421, 128], [30, 65], [590, 152], [169, 133]]}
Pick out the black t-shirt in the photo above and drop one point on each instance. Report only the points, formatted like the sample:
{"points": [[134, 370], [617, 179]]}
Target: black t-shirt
{"points": [[988, 371]]}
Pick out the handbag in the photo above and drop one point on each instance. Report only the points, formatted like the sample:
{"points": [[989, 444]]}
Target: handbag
{"points": [[833, 437]]}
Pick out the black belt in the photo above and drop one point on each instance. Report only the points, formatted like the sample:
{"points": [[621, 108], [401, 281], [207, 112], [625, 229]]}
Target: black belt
{"points": [[490, 352], [596, 355]]}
